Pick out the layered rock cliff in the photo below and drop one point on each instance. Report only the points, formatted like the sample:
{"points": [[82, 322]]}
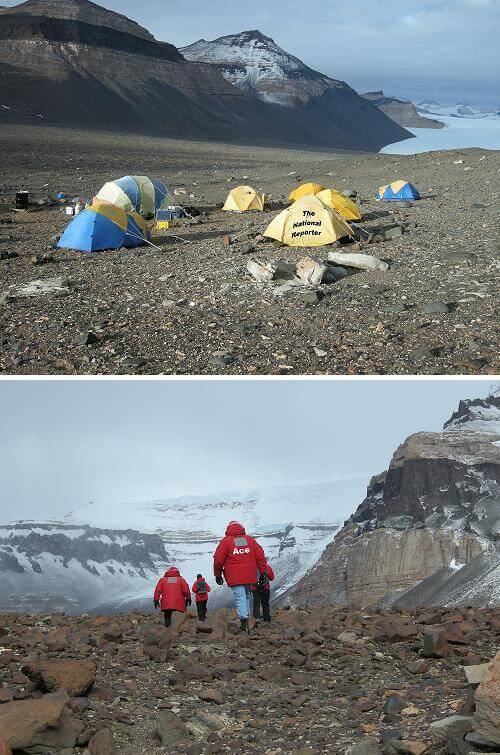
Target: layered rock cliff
{"points": [[428, 530], [73, 63], [402, 112]]}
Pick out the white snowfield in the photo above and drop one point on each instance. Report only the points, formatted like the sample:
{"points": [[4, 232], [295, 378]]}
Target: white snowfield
{"points": [[459, 110], [293, 524], [460, 133]]}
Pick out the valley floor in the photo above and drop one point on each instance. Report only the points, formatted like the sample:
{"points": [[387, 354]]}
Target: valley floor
{"points": [[190, 307]]}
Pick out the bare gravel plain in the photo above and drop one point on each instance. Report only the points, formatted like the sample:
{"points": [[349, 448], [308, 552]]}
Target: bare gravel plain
{"points": [[190, 306]]}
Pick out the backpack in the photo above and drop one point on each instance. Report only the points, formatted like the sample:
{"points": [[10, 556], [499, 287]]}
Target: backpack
{"points": [[201, 587]]}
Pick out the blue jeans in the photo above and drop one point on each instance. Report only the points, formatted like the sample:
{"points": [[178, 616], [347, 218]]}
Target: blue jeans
{"points": [[242, 595]]}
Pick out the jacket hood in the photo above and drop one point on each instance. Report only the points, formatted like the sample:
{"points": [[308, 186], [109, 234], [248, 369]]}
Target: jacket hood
{"points": [[172, 572], [235, 529]]}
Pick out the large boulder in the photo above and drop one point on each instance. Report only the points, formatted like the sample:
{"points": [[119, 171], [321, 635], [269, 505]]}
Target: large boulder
{"points": [[22, 720], [76, 677], [453, 727], [487, 718], [102, 743], [170, 730]]}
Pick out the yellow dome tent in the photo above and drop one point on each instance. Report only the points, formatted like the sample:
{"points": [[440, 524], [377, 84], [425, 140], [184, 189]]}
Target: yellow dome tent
{"points": [[244, 199], [337, 201], [305, 190], [308, 222]]}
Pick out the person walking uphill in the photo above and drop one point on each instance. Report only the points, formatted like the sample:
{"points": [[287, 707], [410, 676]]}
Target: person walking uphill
{"points": [[172, 593], [261, 596], [201, 588], [242, 561]]}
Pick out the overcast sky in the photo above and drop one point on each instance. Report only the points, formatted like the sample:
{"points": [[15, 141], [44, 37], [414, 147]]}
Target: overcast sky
{"points": [[65, 443], [440, 49]]}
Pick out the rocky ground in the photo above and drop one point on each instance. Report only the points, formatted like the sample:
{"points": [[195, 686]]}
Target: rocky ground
{"points": [[329, 681], [190, 306]]}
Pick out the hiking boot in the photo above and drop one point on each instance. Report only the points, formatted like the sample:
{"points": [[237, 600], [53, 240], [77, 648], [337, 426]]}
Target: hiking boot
{"points": [[245, 626]]}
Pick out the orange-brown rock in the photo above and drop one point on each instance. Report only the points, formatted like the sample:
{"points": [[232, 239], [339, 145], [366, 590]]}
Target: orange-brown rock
{"points": [[487, 715], [21, 721], [76, 677]]}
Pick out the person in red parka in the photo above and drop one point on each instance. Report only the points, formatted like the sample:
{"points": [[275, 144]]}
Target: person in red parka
{"points": [[261, 593], [201, 588], [172, 594], [242, 561]]}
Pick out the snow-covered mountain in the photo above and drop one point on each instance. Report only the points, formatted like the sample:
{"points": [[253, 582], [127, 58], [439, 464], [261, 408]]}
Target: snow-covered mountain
{"points": [[108, 557], [459, 110], [263, 70], [257, 65], [428, 531]]}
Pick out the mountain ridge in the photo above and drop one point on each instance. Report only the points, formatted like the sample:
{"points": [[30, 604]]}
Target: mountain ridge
{"points": [[120, 78]]}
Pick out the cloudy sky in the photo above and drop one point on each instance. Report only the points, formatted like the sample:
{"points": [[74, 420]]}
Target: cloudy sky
{"points": [[65, 443], [440, 49]]}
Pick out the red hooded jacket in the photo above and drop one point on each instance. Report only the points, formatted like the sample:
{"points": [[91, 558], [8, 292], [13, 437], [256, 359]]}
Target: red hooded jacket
{"points": [[201, 597], [239, 557], [173, 590], [270, 574]]}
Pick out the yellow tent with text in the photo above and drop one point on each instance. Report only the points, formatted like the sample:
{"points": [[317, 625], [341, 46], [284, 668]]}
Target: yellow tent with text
{"points": [[244, 199], [305, 190], [308, 222], [337, 201]]}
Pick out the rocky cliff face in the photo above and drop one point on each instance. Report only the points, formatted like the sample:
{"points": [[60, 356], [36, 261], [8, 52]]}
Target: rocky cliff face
{"points": [[402, 112], [429, 527], [74, 63], [47, 566]]}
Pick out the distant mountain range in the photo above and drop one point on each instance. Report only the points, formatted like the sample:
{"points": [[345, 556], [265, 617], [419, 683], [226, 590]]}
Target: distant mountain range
{"points": [[74, 63], [428, 531], [460, 110], [108, 558]]}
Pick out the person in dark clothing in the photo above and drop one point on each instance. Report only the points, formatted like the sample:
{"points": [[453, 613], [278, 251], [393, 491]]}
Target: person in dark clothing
{"points": [[201, 588], [261, 593]]}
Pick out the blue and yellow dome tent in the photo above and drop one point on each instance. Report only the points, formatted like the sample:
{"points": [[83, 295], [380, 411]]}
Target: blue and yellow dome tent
{"points": [[139, 193], [104, 226], [397, 191]]}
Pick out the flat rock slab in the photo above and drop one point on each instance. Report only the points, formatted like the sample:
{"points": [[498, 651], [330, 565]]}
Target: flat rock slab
{"points": [[357, 260], [41, 287]]}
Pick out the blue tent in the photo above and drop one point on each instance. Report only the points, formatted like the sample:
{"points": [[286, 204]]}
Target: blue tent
{"points": [[399, 191], [103, 226]]}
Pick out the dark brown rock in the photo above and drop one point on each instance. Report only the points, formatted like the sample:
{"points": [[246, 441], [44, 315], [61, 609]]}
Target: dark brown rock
{"points": [[435, 646], [102, 743]]}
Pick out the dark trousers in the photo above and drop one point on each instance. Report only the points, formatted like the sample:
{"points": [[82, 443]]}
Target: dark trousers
{"points": [[201, 607], [261, 598], [167, 616]]}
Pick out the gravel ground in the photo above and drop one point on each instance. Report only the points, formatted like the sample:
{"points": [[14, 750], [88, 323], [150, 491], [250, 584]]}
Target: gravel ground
{"points": [[190, 307], [312, 682]]}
